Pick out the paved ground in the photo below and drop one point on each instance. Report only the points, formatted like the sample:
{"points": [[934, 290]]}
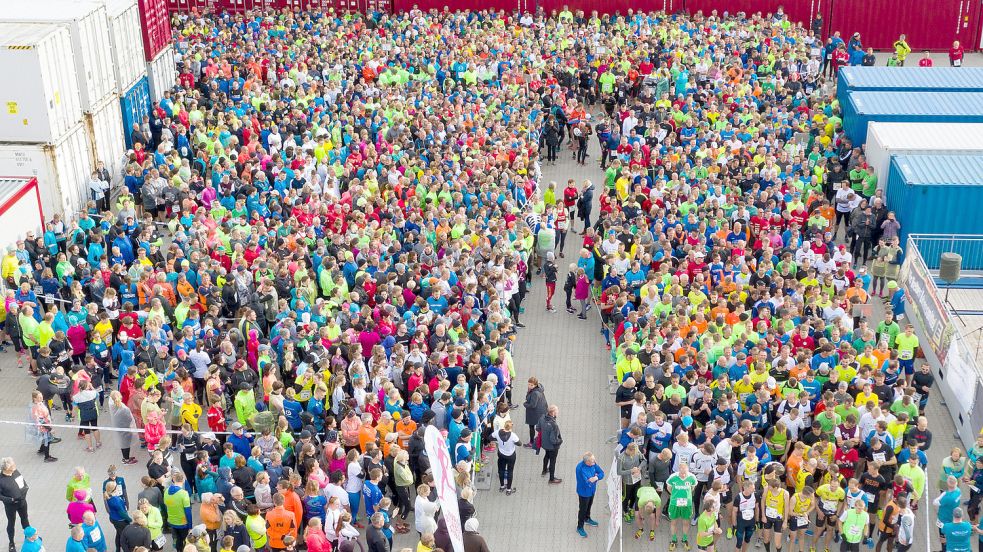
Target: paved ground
{"points": [[566, 354]]}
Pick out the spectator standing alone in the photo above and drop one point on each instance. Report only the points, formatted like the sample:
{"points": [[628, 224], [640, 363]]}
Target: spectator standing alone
{"points": [[13, 493], [550, 441], [588, 474], [536, 407]]}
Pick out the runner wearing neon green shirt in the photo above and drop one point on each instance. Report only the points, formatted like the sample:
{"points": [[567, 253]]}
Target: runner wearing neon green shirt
{"points": [[906, 345], [706, 526], [649, 502], [853, 523]]}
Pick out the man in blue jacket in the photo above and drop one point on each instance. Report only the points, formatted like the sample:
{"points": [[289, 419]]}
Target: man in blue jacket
{"points": [[588, 474]]}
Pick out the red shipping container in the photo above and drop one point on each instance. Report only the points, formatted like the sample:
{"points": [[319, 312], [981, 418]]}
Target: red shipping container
{"points": [[798, 11], [156, 25], [928, 26], [426, 5], [610, 7]]}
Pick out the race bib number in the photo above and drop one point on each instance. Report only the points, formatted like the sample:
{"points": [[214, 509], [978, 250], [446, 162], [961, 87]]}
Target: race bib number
{"points": [[802, 522], [95, 535], [957, 63], [20, 481], [879, 456], [855, 531], [747, 515], [906, 354], [938, 524], [869, 497], [772, 513], [829, 506], [660, 486], [189, 456], [160, 542], [682, 502]]}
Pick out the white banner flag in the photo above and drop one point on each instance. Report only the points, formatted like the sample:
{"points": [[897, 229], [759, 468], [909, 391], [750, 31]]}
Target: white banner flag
{"points": [[614, 502], [443, 480]]}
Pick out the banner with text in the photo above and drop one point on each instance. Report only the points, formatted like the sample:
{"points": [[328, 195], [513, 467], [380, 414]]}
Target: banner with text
{"points": [[923, 305]]}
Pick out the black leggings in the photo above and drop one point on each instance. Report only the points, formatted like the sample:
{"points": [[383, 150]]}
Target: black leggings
{"points": [[506, 467], [13, 510], [551, 150], [582, 151], [188, 467], [403, 501], [630, 501], [549, 462], [180, 535], [119, 525]]}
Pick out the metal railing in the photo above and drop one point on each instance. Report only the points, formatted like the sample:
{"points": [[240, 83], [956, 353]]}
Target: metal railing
{"points": [[931, 247]]}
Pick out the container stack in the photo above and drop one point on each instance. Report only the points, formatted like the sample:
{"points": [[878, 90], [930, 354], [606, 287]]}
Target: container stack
{"points": [[42, 133], [922, 132], [93, 37]]}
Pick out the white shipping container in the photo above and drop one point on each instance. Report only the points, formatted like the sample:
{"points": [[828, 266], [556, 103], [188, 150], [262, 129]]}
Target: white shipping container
{"points": [[124, 31], [105, 132], [162, 73], [89, 26], [39, 100], [885, 140], [62, 170]]}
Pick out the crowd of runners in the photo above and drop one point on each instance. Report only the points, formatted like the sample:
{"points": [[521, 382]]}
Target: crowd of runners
{"points": [[324, 243]]}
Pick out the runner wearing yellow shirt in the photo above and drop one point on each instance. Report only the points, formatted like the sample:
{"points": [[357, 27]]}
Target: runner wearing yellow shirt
{"points": [[830, 497], [803, 503], [907, 344]]}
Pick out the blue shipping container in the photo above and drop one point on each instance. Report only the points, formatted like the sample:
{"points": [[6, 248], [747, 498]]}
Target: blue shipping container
{"points": [[135, 104], [908, 107], [938, 194], [910, 79]]}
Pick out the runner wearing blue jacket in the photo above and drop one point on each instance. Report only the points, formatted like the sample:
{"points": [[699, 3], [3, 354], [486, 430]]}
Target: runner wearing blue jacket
{"points": [[588, 474]]}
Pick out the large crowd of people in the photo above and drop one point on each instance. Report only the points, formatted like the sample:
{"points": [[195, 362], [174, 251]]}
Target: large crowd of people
{"points": [[324, 243]]}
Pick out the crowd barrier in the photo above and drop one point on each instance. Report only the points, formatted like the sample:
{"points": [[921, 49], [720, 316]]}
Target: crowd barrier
{"points": [[952, 361]]}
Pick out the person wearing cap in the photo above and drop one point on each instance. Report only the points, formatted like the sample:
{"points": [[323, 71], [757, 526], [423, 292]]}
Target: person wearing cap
{"points": [[32, 540]]}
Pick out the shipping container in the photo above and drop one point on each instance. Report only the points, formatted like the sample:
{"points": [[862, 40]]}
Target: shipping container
{"points": [[909, 79], [129, 62], [885, 140], [908, 107], [937, 194], [928, 25], [89, 27], [156, 25], [40, 98], [162, 74], [796, 11], [62, 169], [20, 209], [134, 105], [105, 129]]}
